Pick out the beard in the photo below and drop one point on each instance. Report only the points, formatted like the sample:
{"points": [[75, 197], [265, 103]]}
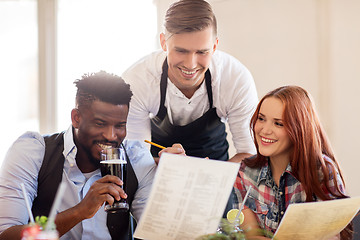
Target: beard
{"points": [[92, 160]]}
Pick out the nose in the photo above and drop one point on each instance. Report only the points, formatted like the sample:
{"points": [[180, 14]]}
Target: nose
{"points": [[110, 133], [267, 128], [190, 61]]}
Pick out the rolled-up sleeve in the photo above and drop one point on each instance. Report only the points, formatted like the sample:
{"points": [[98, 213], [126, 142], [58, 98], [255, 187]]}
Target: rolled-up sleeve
{"points": [[21, 165]]}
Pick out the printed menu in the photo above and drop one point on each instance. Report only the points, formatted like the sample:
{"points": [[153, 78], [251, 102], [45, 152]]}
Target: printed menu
{"points": [[187, 199], [317, 220]]}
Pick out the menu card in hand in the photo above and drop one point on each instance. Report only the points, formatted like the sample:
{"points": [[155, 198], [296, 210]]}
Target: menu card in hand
{"points": [[317, 220], [188, 198]]}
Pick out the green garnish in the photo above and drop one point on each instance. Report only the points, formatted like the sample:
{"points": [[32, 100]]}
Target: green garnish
{"points": [[41, 220]]}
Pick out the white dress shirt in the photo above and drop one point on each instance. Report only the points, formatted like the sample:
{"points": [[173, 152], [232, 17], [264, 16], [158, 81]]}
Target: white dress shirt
{"points": [[234, 97]]}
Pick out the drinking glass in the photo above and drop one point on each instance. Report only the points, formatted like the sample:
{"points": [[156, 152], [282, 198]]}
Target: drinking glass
{"points": [[113, 162], [35, 232]]}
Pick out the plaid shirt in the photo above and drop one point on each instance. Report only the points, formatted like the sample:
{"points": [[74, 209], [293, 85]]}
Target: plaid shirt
{"points": [[266, 199]]}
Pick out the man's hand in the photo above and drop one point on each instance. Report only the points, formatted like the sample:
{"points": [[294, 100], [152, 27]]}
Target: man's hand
{"points": [[176, 148], [106, 189], [103, 190]]}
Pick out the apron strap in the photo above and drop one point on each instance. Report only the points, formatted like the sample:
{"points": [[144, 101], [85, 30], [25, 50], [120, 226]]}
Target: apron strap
{"points": [[208, 87], [163, 85]]}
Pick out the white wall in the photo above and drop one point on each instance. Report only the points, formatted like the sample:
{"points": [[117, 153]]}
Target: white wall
{"points": [[344, 81], [311, 43]]}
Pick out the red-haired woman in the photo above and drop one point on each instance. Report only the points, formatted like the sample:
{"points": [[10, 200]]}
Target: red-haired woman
{"points": [[294, 161]]}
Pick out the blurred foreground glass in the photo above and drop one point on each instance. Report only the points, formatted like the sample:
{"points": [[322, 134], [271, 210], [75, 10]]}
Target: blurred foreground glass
{"points": [[35, 232], [113, 162]]}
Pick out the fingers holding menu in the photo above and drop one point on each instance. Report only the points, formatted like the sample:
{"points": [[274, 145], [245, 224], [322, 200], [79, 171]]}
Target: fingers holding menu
{"points": [[176, 148]]}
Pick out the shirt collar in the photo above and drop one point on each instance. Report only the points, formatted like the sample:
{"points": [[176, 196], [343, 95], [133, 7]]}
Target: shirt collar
{"points": [[70, 149], [70, 167], [174, 90], [289, 171], [265, 173]]}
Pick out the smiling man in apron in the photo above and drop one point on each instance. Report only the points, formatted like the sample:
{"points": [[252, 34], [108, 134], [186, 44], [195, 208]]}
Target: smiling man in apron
{"points": [[185, 92]]}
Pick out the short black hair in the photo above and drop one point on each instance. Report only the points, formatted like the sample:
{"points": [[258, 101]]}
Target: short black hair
{"points": [[102, 86]]}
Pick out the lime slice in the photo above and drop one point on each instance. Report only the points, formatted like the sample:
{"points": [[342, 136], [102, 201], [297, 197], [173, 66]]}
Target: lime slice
{"points": [[231, 215]]}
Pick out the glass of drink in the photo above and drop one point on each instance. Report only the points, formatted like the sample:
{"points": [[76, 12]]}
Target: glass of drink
{"points": [[113, 162], [47, 235], [35, 232]]}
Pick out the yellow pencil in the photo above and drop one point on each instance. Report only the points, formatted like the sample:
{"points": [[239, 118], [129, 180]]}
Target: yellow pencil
{"points": [[154, 144]]}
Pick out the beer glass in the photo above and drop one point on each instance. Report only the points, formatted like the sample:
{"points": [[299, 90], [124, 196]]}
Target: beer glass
{"points": [[113, 162]]}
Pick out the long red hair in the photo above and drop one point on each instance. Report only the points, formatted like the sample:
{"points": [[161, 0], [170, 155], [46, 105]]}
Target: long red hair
{"points": [[309, 143]]}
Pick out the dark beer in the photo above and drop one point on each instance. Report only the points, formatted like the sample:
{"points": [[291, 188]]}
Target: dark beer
{"points": [[117, 168]]}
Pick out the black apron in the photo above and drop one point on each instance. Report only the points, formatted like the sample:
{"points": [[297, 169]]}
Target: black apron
{"points": [[204, 137]]}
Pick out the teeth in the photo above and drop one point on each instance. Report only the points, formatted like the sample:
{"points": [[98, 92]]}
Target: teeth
{"points": [[267, 140], [103, 146], [188, 72]]}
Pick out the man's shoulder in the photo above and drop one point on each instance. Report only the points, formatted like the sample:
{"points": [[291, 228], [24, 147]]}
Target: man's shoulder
{"points": [[54, 139], [140, 157], [28, 152], [54, 135], [132, 143], [30, 137], [224, 58], [225, 66], [33, 143], [149, 65], [135, 149]]}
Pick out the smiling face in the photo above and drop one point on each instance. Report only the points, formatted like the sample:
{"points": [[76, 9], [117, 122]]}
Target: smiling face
{"points": [[270, 134], [98, 125], [188, 56]]}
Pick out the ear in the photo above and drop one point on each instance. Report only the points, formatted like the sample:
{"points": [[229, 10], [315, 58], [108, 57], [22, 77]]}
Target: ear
{"points": [[75, 118], [215, 44], [163, 41]]}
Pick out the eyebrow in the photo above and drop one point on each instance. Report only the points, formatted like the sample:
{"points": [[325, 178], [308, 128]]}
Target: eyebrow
{"points": [[99, 119], [104, 121], [276, 119], [200, 50]]}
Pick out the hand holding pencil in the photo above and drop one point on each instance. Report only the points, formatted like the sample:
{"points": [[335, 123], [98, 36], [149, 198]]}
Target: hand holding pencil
{"points": [[176, 148]]}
